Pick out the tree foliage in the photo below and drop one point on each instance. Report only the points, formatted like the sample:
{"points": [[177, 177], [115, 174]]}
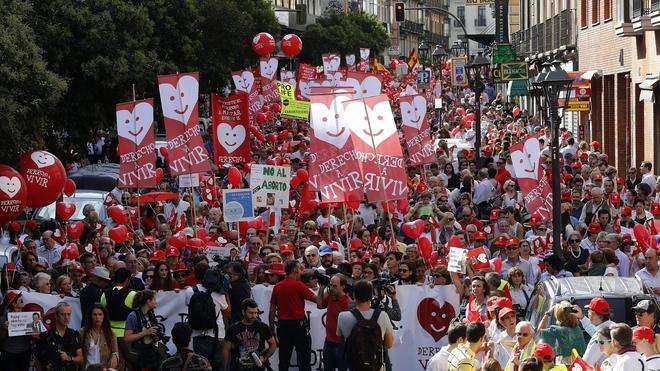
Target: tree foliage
{"points": [[344, 33]]}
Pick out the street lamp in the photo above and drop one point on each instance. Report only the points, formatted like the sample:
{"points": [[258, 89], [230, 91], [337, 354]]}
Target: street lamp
{"points": [[440, 56], [476, 69], [458, 50], [553, 81], [423, 50]]}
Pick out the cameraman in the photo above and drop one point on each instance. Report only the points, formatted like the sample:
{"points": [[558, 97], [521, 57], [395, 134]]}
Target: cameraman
{"points": [[337, 301], [208, 342], [385, 299]]}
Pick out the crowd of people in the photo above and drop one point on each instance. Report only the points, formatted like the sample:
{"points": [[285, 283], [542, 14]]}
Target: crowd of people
{"points": [[313, 254]]}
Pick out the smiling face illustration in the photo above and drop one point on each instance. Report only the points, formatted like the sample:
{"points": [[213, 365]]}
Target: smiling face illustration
{"points": [[134, 125], [230, 138], [243, 81], [413, 112], [178, 102], [526, 162], [268, 67], [42, 159], [370, 86], [10, 186], [329, 123], [379, 119]]}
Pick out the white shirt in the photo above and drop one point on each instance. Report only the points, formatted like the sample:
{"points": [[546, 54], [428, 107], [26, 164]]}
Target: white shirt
{"points": [[93, 353], [652, 281], [483, 192], [593, 355], [220, 302], [50, 255], [652, 362], [440, 360], [630, 361], [649, 179], [624, 263]]}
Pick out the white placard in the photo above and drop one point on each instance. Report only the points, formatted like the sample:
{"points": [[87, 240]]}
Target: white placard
{"points": [[25, 323], [188, 180], [457, 260], [270, 185]]}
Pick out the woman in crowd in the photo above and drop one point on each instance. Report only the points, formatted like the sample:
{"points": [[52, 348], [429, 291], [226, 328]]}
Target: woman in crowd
{"points": [[477, 307], [99, 342], [577, 256], [453, 180], [41, 283], [407, 274], [163, 280], [566, 334], [15, 351], [608, 360], [520, 291], [420, 271], [142, 331], [148, 276], [63, 286], [525, 248]]}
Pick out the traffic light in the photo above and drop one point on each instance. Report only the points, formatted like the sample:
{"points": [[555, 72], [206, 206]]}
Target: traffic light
{"points": [[399, 12]]}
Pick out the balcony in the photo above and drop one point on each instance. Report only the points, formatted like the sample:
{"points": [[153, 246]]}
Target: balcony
{"points": [[645, 17], [412, 27], [555, 32], [436, 39]]}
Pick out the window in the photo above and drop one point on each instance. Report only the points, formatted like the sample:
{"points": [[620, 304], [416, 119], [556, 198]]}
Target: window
{"points": [[460, 13], [583, 13], [607, 10], [595, 11], [481, 17], [622, 11]]}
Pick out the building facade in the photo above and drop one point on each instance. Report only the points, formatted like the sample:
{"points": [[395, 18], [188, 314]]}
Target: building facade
{"points": [[478, 19]]}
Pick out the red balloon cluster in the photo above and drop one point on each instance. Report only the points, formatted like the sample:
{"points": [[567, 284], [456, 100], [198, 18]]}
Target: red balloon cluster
{"points": [[263, 44], [70, 252], [413, 229], [299, 178], [118, 234]]}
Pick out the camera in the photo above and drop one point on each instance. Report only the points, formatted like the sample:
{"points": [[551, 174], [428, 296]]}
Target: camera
{"points": [[323, 279], [215, 279]]}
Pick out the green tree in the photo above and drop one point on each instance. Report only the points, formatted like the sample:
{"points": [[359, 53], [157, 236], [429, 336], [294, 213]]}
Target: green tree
{"points": [[29, 90], [345, 34]]}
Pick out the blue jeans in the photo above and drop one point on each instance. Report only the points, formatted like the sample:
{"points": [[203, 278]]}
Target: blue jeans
{"points": [[333, 356], [206, 346]]}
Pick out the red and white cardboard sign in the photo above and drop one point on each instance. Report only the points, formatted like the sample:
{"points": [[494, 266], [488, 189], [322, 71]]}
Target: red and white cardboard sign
{"points": [[533, 181], [231, 139], [305, 74], [414, 117], [365, 84], [350, 62], [364, 60], [179, 94], [137, 151], [268, 73], [245, 81], [331, 62]]}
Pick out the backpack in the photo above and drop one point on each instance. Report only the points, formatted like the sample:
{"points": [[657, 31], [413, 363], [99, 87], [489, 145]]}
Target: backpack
{"points": [[365, 331], [201, 311]]}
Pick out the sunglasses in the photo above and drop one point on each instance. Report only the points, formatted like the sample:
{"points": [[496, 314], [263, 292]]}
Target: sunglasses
{"points": [[368, 272], [148, 276], [603, 342], [574, 241], [541, 229], [403, 270], [511, 248], [310, 255]]}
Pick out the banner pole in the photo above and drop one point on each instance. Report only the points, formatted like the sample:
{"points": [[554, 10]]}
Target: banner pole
{"points": [[347, 249], [137, 181]]}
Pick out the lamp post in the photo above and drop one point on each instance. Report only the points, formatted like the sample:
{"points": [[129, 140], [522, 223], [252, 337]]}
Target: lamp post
{"points": [[440, 56], [475, 69], [553, 80], [423, 49], [458, 50]]}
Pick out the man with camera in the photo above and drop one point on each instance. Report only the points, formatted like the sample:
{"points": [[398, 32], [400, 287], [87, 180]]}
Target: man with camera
{"points": [[208, 309], [337, 301]]}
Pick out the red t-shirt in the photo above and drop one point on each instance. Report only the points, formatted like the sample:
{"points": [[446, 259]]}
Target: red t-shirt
{"points": [[335, 306], [289, 295]]}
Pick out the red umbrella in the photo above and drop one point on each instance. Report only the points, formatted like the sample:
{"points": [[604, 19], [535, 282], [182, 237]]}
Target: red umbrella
{"points": [[155, 197]]}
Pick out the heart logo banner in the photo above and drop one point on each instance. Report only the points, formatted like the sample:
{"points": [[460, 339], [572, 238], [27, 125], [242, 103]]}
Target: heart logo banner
{"points": [[331, 62], [350, 62], [333, 169], [305, 74], [288, 77], [247, 82], [268, 73], [363, 66], [414, 117], [365, 84], [231, 142], [179, 94], [137, 151], [377, 148], [533, 181]]}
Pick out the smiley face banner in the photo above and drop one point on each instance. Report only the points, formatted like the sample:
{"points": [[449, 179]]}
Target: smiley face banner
{"points": [[268, 76], [415, 127], [533, 180], [231, 139], [179, 94], [137, 151], [246, 82]]}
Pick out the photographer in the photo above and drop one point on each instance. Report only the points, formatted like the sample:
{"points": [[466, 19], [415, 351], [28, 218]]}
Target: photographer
{"points": [[337, 301], [208, 309], [143, 332]]}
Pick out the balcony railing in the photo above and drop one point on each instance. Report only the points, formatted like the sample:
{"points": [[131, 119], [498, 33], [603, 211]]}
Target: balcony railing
{"points": [[551, 34], [412, 27], [436, 39]]}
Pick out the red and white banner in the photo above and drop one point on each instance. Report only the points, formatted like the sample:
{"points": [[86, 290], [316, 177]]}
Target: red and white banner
{"points": [[246, 82], [231, 139], [305, 74], [179, 94], [137, 151], [268, 73], [333, 168], [350, 62], [364, 60], [365, 84], [377, 148], [533, 181], [336, 78], [288, 77], [331, 62], [414, 117]]}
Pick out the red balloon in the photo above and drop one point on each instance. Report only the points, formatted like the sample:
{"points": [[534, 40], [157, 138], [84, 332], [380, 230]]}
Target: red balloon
{"points": [[424, 247], [69, 187], [234, 176], [44, 175], [163, 151], [283, 134], [303, 175], [276, 107], [261, 118], [434, 258], [257, 133], [291, 45], [263, 44], [118, 234], [14, 227], [13, 193], [118, 214], [196, 242], [159, 174], [413, 229], [272, 137], [356, 243], [201, 233], [402, 205], [71, 252], [74, 230], [64, 210], [295, 181], [179, 240], [269, 115]]}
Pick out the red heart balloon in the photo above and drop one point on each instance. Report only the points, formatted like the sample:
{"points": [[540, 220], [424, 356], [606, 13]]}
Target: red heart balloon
{"points": [[65, 211], [303, 175], [14, 227], [424, 247], [402, 205], [413, 229], [435, 319], [118, 214], [159, 174], [179, 240], [72, 251], [118, 234], [74, 230], [234, 176], [295, 181], [44, 177], [69, 187]]}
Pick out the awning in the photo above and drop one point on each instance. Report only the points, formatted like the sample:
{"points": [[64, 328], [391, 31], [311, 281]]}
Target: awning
{"points": [[646, 95], [517, 88], [648, 84], [591, 74]]}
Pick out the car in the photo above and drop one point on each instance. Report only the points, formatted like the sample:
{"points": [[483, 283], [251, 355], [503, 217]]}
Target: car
{"points": [[99, 177], [80, 198], [621, 292], [8, 253]]}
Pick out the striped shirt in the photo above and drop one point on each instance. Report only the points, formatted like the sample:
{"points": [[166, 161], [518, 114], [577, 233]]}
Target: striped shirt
{"points": [[462, 358]]}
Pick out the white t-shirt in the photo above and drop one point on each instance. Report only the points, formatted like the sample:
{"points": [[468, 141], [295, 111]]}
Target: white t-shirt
{"points": [[220, 302], [440, 360]]}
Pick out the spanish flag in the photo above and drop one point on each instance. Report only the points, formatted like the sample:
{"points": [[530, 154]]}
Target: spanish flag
{"points": [[412, 59], [376, 66]]}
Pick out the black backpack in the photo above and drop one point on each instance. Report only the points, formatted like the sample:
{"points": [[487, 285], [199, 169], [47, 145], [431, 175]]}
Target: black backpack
{"points": [[201, 311], [365, 331]]}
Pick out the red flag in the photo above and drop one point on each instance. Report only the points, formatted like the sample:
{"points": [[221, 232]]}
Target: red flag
{"points": [[579, 364], [416, 129], [137, 156], [231, 139], [268, 73], [178, 96], [246, 82], [533, 181]]}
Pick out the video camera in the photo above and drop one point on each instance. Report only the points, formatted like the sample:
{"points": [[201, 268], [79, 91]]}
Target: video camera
{"points": [[382, 286], [216, 279], [324, 279]]}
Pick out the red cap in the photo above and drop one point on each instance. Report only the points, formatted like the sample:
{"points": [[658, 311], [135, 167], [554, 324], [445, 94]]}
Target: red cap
{"points": [[599, 305], [584, 155], [11, 297], [620, 180], [615, 198], [595, 144], [149, 239], [655, 208], [316, 234], [276, 268], [596, 177], [494, 214], [545, 352], [513, 241], [504, 311], [566, 195], [626, 210], [171, 251], [501, 240], [286, 248], [535, 219], [480, 236], [577, 165], [626, 238], [568, 177], [77, 267], [488, 149], [181, 267], [157, 256], [644, 333], [500, 302], [594, 228]]}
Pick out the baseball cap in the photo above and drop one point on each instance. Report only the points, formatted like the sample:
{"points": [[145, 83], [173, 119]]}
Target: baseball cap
{"points": [[325, 250], [626, 210], [504, 311], [494, 214], [181, 267], [513, 241], [501, 240], [480, 236], [171, 251], [599, 305], [615, 198], [644, 333], [594, 228], [535, 219], [595, 144], [101, 272], [655, 208], [157, 256], [11, 297], [596, 177], [545, 352], [566, 195], [286, 248], [644, 306]]}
